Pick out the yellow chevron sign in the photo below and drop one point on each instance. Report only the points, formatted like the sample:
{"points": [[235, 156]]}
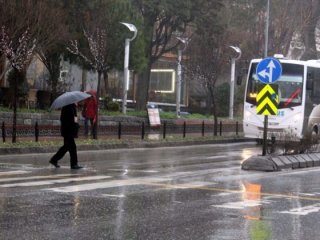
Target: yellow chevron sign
{"points": [[267, 100]]}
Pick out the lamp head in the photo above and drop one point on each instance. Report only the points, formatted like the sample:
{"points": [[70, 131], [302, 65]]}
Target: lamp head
{"points": [[183, 40], [237, 50], [132, 28]]}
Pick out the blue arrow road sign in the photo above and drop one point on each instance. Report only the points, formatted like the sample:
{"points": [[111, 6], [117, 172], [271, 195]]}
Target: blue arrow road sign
{"points": [[269, 70]]}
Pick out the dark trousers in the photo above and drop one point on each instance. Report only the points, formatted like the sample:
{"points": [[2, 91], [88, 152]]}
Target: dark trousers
{"points": [[92, 125], [69, 145]]}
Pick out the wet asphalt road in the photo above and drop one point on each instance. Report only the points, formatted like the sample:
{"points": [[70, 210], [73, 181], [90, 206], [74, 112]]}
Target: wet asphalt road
{"points": [[194, 192]]}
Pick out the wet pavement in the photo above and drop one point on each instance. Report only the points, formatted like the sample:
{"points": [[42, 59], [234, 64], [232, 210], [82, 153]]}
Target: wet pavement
{"points": [[193, 192]]}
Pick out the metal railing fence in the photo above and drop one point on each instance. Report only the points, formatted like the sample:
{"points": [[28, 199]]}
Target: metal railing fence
{"points": [[125, 129]]}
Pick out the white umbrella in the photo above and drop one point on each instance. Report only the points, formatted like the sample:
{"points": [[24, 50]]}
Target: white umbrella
{"points": [[69, 98]]}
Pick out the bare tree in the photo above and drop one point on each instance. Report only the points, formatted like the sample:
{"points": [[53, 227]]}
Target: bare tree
{"points": [[46, 21], [96, 58], [308, 16], [17, 16], [51, 31], [19, 55], [206, 65]]}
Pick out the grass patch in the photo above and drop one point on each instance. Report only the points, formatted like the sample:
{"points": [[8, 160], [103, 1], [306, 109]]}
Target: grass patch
{"points": [[59, 141], [144, 114]]}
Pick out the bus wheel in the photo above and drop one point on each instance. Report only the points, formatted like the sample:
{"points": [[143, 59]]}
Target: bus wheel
{"points": [[314, 141]]}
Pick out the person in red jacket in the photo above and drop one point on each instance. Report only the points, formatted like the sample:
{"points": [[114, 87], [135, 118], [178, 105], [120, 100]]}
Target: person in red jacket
{"points": [[89, 114]]}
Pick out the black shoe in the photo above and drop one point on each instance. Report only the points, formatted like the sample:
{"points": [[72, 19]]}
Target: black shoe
{"points": [[54, 163], [76, 167]]}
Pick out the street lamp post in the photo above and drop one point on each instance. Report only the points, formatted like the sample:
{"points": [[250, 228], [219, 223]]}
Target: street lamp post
{"points": [[267, 30], [179, 72], [132, 28], [233, 67]]}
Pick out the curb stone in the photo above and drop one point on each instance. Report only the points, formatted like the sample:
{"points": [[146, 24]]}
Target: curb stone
{"points": [[277, 163]]}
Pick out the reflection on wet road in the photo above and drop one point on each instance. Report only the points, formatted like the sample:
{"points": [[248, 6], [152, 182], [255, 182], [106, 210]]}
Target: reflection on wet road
{"points": [[194, 192]]}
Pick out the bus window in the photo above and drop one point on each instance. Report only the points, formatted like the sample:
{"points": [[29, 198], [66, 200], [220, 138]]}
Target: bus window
{"points": [[315, 96], [290, 85]]}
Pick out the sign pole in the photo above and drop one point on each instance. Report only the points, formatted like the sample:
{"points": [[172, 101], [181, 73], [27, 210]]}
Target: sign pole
{"points": [[267, 104], [265, 131], [265, 128], [268, 71]]}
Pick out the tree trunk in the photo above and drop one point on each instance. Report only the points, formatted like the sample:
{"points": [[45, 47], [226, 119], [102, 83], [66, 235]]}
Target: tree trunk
{"points": [[3, 70], [96, 125], [53, 66], [14, 122], [143, 82], [54, 78], [143, 89], [214, 111], [84, 80], [106, 83], [215, 118]]}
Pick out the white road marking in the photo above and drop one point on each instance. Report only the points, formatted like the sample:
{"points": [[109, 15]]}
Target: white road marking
{"points": [[303, 211], [209, 157], [239, 205], [242, 204], [134, 170], [107, 184], [305, 194], [35, 177], [50, 182], [225, 194], [114, 195], [13, 172], [195, 184]]}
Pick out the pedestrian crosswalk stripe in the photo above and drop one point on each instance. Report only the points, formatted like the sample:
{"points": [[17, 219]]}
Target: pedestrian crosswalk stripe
{"points": [[50, 182], [36, 177], [13, 172], [108, 184]]}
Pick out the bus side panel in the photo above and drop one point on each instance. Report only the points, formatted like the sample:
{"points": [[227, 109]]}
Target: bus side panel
{"points": [[312, 107]]}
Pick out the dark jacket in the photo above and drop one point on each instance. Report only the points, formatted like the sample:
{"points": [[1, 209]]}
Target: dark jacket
{"points": [[69, 128]]}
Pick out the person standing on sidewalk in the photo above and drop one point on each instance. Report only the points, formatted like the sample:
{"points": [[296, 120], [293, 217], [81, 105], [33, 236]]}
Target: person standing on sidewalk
{"points": [[69, 131], [89, 114]]}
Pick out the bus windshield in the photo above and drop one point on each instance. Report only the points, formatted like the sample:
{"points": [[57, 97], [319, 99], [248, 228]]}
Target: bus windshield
{"points": [[290, 85]]}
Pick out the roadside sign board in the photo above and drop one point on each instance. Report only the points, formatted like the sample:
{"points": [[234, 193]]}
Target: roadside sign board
{"points": [[267, 100], [269, 70], [154, 116]]}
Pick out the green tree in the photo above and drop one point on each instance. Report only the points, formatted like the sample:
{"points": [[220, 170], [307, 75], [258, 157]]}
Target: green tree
{"points": [[107, 15], [163, 21]]}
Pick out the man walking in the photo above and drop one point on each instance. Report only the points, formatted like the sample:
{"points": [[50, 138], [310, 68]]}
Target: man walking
{"points": [[69, 131]]}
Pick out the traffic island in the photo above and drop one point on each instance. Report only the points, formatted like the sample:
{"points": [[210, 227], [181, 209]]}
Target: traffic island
{"points": [[277, 163]]}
